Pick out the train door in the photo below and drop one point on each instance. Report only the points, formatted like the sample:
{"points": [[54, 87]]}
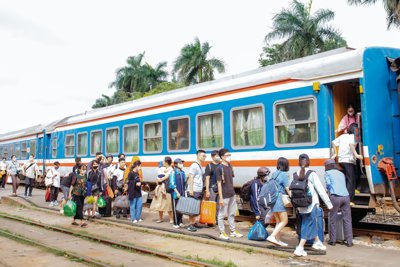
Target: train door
{"points": [[347, 93]]}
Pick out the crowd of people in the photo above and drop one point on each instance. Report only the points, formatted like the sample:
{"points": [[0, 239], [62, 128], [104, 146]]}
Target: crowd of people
{"points": [[102, 178]]}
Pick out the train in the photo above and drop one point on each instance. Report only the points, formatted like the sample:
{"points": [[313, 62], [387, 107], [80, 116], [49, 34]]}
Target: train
{"points": [[280, 110]]}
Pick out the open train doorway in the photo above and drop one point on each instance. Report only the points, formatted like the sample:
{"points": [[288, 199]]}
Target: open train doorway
{"points": [[345, 94]]}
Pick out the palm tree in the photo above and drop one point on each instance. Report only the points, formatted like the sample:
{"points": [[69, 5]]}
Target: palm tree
{"points": [[193, 66], [156, 75], [304, 33], [392, 8], [104, 101]]}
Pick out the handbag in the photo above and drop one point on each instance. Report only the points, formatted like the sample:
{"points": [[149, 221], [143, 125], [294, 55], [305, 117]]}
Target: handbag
{"points": [[208, 212], [121, 202], [109, 191], [47, 195], [286, 201]]}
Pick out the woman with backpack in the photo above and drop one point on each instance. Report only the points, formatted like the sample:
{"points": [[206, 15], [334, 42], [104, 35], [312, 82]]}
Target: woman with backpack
{"points": [[281, 178], [258, 182], [305, 189]]}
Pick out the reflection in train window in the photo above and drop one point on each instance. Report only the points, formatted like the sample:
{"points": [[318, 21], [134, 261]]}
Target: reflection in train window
{"points": [[69, 145], [82, 144], [23, 150], [131, 139], [210, 131], [295, 122], [112, 141], [178, 134], [152, 137], [95, 142], [248, 127], [54, 147]]}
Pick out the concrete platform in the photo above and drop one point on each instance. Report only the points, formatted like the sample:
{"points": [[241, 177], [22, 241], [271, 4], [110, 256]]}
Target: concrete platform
{"points": [[359, 255]]}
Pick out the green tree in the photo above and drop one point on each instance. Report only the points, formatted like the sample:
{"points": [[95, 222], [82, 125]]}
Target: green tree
{"points": [[193, 65], [302, 33], [103, 101], [271, 55], [163, 87], [392, 8]]}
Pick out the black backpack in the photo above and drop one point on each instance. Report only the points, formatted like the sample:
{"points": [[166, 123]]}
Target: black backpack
{"points": [[299, 189], [246, 190]]}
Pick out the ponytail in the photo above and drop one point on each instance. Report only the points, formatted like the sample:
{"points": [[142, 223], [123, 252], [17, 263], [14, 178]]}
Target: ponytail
{"points": [[304, 161]]}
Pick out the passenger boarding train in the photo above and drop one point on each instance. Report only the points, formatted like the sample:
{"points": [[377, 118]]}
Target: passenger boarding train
{"points": [[280, 110]]}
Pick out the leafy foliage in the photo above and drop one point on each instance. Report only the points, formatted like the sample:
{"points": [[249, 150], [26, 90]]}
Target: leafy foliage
{"points": [[193, 66], [301, 34], [392, 8]]}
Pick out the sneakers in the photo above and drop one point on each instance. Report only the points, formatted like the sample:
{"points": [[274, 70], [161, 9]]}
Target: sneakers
{"points": [[181, 225], [134, 221], [236, 234], [273, 240], [357, 191], [300, 252], [191, 228], [140, 220], [224, 236], [51, 204], [352, 204], [283, 244], [175, 226], [318, 246]]}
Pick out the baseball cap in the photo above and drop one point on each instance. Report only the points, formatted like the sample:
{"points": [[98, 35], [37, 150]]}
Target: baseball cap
{"points": [[178, 160]]}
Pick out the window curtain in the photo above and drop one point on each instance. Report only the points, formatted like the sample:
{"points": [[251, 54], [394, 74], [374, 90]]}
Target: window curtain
{"points": [[96, 143], [112, 141], [255, 127], [82, 144], [153, 143], [131, 139], [240, 126]]}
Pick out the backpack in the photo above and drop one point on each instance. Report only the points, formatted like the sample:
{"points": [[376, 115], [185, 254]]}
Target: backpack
{"points": [[269, 193], [299, 188], [246, 190]]}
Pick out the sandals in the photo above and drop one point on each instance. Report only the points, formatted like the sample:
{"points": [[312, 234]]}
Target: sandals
{"points": [[159, 221], [84, 225], [75, 223]]}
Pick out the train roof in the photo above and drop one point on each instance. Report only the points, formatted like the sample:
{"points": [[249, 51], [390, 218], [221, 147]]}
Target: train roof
{"points": [[331, 63]]}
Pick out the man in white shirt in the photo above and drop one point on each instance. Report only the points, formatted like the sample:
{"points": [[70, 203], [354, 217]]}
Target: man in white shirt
{"points": [[118, 177], [347, 155], [3, 172], [195, 184], [55, 185]]}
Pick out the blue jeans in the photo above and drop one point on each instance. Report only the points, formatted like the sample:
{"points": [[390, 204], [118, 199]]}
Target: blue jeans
{"points": [[136, 208]]}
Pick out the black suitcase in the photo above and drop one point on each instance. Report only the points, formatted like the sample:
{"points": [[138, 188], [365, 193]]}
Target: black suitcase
{"points": [[107, 210]]}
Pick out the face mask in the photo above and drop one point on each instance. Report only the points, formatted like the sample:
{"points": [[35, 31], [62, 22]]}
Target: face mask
{"points": [[180, 165], [95, 167], [351, 113], [83, 172], [228, 159], [217, 159]]}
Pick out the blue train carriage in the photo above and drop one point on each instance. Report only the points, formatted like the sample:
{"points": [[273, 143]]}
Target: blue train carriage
{"points": [[281, 110]]}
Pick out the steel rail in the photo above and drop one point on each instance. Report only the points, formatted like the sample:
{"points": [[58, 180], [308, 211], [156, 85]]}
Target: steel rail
{"points": [[134, 248]]}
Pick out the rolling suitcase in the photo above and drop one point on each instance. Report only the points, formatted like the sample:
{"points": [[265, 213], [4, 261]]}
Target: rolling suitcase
{"points": [[188, 206], [107, 210], [208, 212], [339, 227]]}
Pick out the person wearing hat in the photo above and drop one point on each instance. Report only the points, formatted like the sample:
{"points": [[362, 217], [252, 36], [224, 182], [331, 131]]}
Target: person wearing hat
{"points": [[281, 177], [309, 214], [262, 174], [339, 196], [177, 185]]}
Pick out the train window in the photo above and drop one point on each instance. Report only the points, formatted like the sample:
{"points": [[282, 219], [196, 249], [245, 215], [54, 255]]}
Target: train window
{"points": [[1, 151], [69, 145], [295, 122], [112, 141], [178, 134], [131, 139], [17, 151], [32, 147], [152, 137], [248, 127], [54, 147], [95, 142], [210, 131], [23, 150], [82, 144], [12, 152], [5, 152]]}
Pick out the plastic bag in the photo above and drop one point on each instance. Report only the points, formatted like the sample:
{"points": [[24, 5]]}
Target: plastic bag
{"points": [[257, 232], [101, 203], [70, 208], [90, 200]]}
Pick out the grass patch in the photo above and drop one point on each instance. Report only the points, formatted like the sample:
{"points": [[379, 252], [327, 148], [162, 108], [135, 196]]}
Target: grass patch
{"points": [[214, 261]]}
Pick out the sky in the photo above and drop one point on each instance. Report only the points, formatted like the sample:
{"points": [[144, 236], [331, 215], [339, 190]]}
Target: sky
{"points": [[57, 57]]}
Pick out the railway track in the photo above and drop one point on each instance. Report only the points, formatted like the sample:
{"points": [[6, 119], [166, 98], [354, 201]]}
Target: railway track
{"points": [[124, 246], [386, 231]]}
